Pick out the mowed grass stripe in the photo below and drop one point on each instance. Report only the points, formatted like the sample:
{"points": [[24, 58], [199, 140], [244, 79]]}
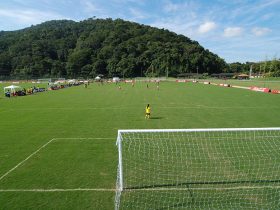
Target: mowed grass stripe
{"points": [[158, 107]]}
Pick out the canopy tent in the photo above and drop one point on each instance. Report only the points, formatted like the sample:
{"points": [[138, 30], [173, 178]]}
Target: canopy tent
{"points": [[12, 88], [243, 76], [71, 81]]}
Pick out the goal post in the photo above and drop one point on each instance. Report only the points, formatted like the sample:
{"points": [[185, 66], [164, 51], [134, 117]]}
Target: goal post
{"points": [[220, 168]]}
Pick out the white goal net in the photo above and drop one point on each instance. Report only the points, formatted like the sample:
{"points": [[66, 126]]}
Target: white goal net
{"points": [[198, 169]]}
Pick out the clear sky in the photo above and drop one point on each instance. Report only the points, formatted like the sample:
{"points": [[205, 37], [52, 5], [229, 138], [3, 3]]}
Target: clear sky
{"points": [[236, 30]]}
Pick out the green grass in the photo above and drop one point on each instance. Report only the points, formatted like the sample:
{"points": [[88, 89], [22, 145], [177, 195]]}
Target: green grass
{"points": [[29, 122]]}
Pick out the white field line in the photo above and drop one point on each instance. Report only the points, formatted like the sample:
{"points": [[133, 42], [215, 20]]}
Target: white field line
{"points": [[83, 138], [12, 169], [23, 161], [59, 190], [135, 190]]}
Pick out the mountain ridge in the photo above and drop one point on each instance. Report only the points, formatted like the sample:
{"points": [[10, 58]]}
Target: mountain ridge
{"points": [[65, 48]]}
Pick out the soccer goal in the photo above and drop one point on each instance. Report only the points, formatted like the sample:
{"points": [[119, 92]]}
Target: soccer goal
{"points": [[198, 169]]}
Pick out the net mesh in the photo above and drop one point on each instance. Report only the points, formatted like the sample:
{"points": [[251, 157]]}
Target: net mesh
{"points": [[199, 170]]}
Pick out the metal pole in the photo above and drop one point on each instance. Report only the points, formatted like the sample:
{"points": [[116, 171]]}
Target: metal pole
{"points": [[119, 142]]}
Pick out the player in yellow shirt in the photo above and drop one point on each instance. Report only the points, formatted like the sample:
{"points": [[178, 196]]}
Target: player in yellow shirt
{"points": [[148, 112]]}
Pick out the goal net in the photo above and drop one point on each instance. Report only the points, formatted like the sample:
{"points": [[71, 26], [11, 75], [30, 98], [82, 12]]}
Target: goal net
{"points": [[198, 169]]}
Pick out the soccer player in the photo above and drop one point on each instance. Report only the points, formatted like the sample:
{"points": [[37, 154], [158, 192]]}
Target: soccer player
{"points": [[148, 112]]}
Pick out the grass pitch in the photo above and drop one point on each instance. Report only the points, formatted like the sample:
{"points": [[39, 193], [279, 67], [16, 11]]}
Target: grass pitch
{"points": [[84, 123]]}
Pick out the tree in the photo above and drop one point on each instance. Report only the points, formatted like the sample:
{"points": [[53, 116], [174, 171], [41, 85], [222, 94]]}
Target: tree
{"points": [[76, 61], [5, 64], [102, 46], [99, 67]]}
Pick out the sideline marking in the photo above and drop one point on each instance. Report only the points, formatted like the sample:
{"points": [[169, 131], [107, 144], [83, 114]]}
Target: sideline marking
{"points": [[4, 175]]}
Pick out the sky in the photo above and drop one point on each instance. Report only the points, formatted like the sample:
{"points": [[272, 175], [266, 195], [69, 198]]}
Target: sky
{"points": [[236, 30]]}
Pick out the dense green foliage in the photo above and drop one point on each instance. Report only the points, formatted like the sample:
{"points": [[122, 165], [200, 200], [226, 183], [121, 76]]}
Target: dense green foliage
{"points": [[267, 68], [97, 46]]}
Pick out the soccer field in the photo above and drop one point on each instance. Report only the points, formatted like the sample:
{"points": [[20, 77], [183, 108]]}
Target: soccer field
{"points": [[58, 148]]}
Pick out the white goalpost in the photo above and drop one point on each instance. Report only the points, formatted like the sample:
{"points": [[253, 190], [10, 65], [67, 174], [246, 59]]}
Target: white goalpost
{"points": [[227, 168]]}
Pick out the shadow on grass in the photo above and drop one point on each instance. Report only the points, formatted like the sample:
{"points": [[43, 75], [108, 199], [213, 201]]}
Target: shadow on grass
{"points": [[156, 118]]}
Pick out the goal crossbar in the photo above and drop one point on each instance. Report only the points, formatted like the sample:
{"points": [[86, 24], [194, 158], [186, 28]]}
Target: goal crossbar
{"points": [[197, 130], [192, 130]]}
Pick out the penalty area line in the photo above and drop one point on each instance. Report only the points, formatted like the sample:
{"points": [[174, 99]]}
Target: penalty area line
{"points": [[28, 157], [59, 190], [23, 161]]}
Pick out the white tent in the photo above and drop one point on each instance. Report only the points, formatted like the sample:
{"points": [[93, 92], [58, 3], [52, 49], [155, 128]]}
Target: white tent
{"points": [[12, 88], [72, 81]]}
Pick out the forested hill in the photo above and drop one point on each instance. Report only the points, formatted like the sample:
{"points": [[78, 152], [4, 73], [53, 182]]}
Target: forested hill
{"points": [[101, 46]]}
